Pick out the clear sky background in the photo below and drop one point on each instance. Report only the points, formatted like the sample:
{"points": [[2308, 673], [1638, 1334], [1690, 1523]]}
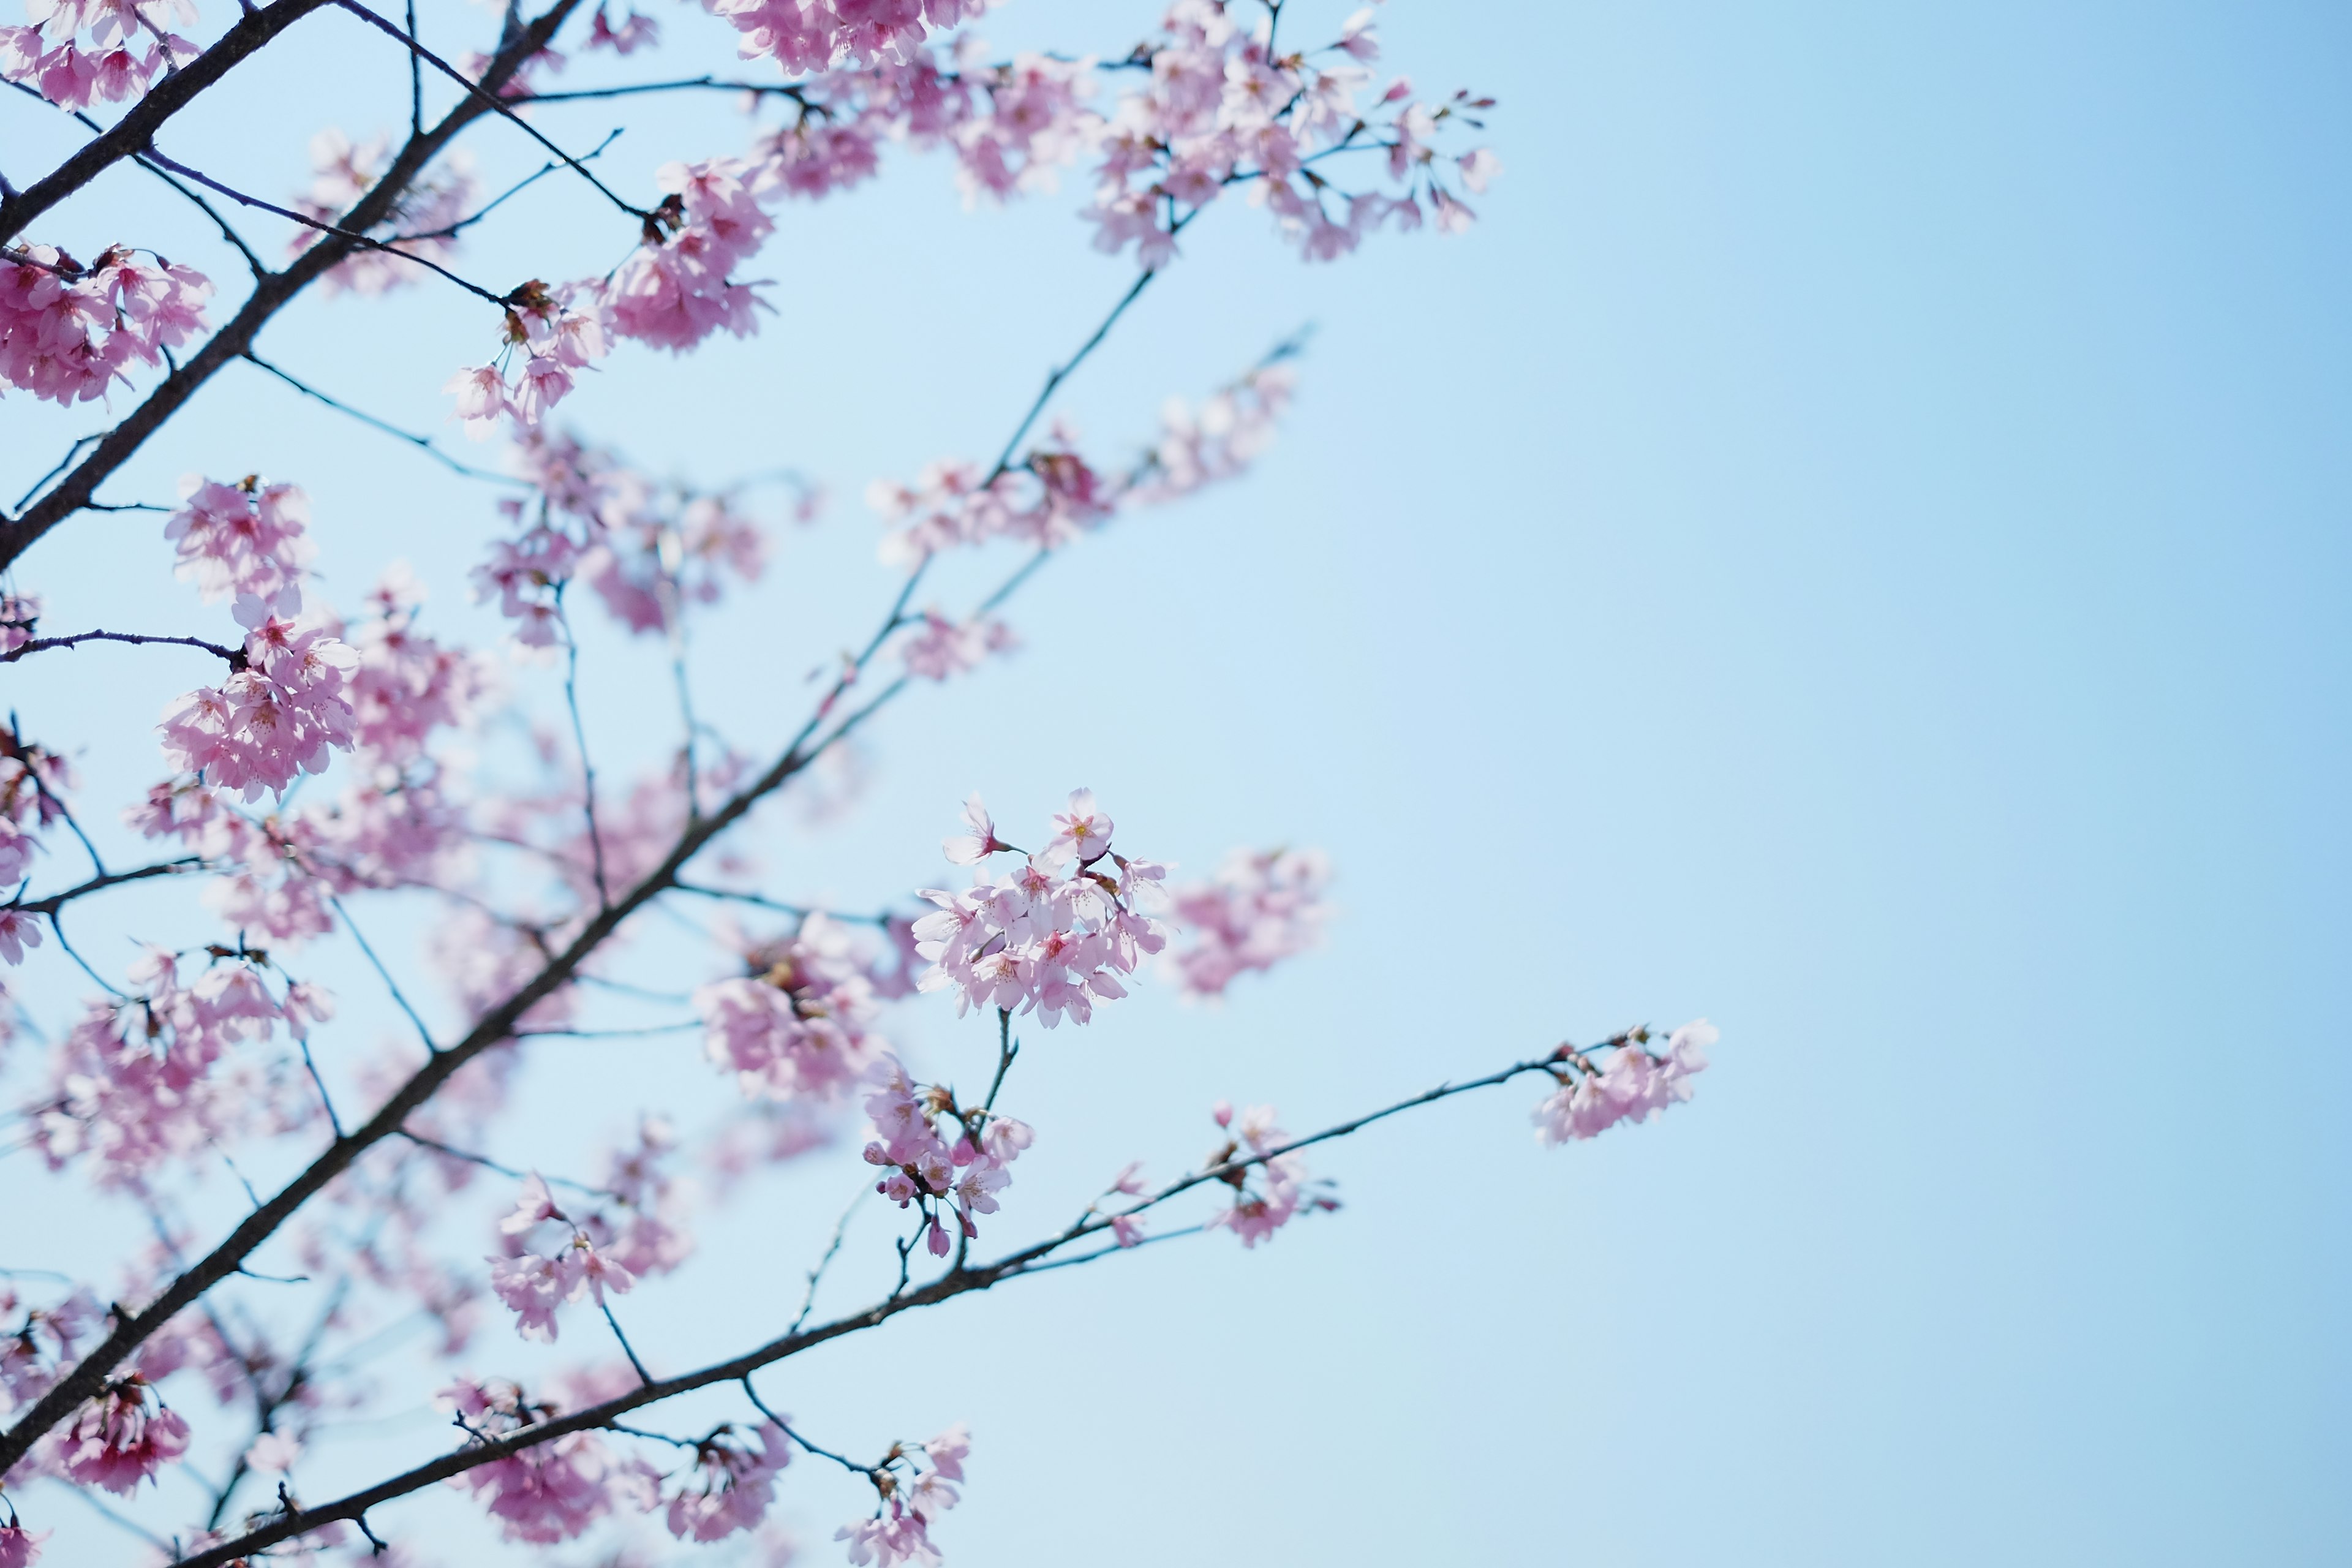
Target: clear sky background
{"points": [[1854, 545]]}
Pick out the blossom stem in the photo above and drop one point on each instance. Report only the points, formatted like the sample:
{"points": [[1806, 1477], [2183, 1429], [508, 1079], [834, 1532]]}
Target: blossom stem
{"points": [[422, 443]]}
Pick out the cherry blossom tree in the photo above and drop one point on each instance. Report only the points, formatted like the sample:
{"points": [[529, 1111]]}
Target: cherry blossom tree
{"points": [[341, 759]]}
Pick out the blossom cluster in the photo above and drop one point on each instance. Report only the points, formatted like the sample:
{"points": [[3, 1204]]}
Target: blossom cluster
{"points": [[546, 1493], [69, 331], [730, 1486], [422, 219], [916, 1486], [393, 825], [556, 334], [799, 1025], [1036, 939], [939, 648], [242, 538], [648, 549], [1219, 109], [1261, 908], [940, 1156], [555, 1491], [1224, 107], [155, 1077], [280, 714], [51, 58], [1055, 495], [534, 1284], [1633, 1085], [1269, 1188], [809, 34], [118, 1439]]}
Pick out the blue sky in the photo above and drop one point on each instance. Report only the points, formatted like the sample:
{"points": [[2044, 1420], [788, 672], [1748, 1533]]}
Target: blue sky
{"points": [[1852, 545]]}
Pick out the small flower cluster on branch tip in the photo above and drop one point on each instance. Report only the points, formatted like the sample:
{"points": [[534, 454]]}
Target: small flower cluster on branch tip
{"points": [[1053, 936], [1270, 1186], [950, 1161], [1055, 494], [914, 1486], [129, 42], [159, 1075], [1633, 1085], [649, 549], [68, 333], [286, 703]]}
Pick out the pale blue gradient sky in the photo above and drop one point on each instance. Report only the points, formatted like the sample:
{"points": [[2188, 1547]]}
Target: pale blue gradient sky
{"points": [[1854, 545]]}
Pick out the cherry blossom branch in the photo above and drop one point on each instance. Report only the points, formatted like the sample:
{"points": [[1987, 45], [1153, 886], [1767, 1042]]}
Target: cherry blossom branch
{"points": [[489, 97], [422, 443], [1036, 1258], [362, 241], [500, 1022], [56, 902], [135, 130], [235, 657], [270, 294]]}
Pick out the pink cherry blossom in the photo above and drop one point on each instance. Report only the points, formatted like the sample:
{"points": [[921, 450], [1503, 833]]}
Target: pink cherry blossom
{"points": [[119, 1439], [19, 1547], [1259, 910], [1080, 834], [729, 1487]]}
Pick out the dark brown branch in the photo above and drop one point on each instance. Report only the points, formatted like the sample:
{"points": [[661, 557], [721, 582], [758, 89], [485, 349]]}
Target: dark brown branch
{"points": [[269, 296], [235, 657], [135, 130], [56, 902]]}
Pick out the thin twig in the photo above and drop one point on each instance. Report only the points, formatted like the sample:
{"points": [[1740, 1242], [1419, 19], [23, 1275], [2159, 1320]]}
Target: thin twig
{"points": [[496, 104], [580, 738], [399, 998], [350, 236], [422, 443], [488, 1163], [56, 902], [235, 657], [816, 1275]]}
